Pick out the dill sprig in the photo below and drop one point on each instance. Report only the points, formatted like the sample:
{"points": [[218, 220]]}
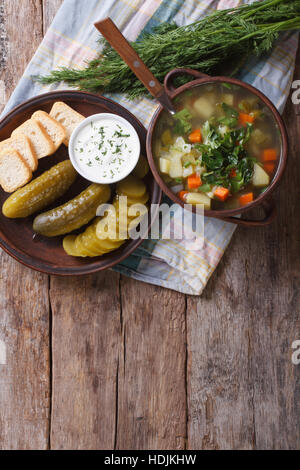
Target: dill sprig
{"points": [[219, 44]]}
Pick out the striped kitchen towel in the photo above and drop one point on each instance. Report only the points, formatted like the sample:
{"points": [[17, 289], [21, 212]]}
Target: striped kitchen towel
{"points": [[72, 40]]}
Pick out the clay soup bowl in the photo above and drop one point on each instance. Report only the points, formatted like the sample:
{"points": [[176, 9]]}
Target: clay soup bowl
{"points": [[165, 94]]}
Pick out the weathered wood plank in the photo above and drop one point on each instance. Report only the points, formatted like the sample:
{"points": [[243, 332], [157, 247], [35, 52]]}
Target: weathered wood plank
{"points": [[219, 393], [275, 314], [85, 345], [50, 8], [24, 378], [21, 28], [24, 321], [119, 375], [85, 341], [243, 390], [152, 378], [156, 341]]}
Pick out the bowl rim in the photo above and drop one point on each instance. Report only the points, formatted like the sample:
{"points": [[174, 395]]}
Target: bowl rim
{"points": [[95, 117], [129, 247], [282, 159]]}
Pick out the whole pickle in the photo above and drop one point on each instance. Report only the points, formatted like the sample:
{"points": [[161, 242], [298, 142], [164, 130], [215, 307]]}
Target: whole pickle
{"points": [[73, 214], [97, 239], [40, 192]]}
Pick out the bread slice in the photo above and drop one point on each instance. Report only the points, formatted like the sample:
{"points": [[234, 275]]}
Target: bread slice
{"points": [[67, 116], [14, 171], [54, 129], [22, 144], [42, 144]]}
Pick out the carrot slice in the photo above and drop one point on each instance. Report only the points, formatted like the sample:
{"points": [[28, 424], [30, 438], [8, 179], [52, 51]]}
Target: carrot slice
{"points": [[195, 137], [233, 173], [246, 199], [269, 167], [194, 181], [221, 193], [246, 118], [269, 155], [182, 195]]}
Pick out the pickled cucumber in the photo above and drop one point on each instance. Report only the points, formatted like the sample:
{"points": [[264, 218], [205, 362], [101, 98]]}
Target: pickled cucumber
{"points": [[82, 248], [92, 241], [138, 200], [73, 214], [68, 245], [141, 168], [41, 192], [131, 187]]}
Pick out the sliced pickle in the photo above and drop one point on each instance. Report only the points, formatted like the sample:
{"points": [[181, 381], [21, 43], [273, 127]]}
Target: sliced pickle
{"points": [[141, 168], [95, 240], [110, 245], [41, 192], [69, 245], [81, 249], [73, 214], [96, 243], [131, 187], [138, 200], [89, 241], [105, 231], [70, 248], [137, 210], [133, 200]]}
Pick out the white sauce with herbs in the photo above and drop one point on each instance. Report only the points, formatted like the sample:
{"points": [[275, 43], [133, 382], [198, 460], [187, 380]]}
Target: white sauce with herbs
{"points": [[104, 148]]}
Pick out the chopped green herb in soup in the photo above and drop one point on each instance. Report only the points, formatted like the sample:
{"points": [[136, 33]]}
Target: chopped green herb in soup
{"points": [[221, 149]]}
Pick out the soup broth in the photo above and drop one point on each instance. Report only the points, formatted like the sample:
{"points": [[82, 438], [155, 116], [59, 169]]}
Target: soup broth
{"points": [[221, 148]]}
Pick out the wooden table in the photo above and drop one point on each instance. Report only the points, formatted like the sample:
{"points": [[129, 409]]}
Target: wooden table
{"points": [[106, 362]]}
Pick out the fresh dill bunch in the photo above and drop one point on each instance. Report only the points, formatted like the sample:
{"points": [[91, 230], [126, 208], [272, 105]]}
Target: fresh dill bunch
{"points": [[217, 44]]}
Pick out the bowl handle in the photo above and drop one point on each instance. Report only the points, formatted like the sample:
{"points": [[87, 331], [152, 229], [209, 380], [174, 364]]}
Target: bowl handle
{"points": [[270, 214], [169, 78]]}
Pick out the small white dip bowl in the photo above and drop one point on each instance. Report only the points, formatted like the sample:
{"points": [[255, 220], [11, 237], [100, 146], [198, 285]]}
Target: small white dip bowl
{"points": [[104, 148]]}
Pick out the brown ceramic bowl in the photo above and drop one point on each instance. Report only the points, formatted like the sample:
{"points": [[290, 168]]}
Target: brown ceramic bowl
{"points": [[16, 235], [265, 199]]}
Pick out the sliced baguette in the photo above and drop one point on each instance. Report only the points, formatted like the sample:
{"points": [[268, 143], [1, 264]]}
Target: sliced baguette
{"points": [[22, 144], [54, 129], [67, 116], [14, 171], [42, 144]]}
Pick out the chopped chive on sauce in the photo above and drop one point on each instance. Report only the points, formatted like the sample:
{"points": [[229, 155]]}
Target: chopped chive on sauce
{"points": [[105, 147]]}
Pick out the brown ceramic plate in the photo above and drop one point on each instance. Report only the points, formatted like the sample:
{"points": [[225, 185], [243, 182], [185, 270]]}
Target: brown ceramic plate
{"points": [[16, 235]]}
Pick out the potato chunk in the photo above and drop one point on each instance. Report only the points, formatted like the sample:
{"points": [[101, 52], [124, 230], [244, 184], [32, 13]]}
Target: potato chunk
{"points": [[204, 108], [164, 165], [260, 177], [198, 198]]}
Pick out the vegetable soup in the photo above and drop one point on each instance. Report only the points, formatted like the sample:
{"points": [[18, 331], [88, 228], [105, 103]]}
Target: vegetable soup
{"points": [[221, 148]]}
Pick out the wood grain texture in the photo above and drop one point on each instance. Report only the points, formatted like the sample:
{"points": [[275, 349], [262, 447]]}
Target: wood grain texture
{"points": [[141, 403], [219, 386], [21, 31], [139, 367], [24, 324], [50, 8], [152, 369], [85, 349], [24, 378], [243, 390]]}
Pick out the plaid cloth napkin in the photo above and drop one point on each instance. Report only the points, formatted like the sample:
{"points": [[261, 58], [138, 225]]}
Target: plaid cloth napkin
{"points": [[72, 40]]}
